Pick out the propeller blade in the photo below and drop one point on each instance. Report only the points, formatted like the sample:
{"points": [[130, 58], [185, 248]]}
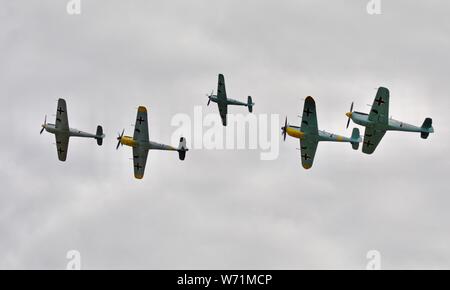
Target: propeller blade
{"points": [[119, 138], [209, 101], [284, 130], [351, 111], [43, 126]]}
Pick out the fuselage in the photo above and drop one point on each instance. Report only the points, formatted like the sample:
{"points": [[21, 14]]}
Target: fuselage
{"points": [[51, 128], [146, 145], [296, 132], [392, 125], [226, 101]]}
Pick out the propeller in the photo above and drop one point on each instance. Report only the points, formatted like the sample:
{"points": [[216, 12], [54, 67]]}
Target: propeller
{"points": [[284, 129], [209, 97], [43, 125], [349, 115], [119, 138]]}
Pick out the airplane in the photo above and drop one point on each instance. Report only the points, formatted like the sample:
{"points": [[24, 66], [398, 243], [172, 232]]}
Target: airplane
{"points": [[377, 122], [141, 143], [63, 132], [310, 135], [223, 102]]}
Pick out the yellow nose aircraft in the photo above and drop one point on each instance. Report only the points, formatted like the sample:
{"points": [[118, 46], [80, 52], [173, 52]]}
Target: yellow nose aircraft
{"points": [[310, 135], [141, 144]]}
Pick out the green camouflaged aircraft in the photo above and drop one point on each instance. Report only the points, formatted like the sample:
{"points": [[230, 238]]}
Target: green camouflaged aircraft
{"points": [[223, 101], [310, 135], [377, 122]]}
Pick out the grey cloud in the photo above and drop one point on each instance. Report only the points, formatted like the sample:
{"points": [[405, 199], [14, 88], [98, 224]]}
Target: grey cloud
{"points": [[222, 209]]}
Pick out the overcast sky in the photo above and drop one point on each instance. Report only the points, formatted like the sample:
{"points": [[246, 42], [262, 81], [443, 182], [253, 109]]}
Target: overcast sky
{"points": [[222, 209]]}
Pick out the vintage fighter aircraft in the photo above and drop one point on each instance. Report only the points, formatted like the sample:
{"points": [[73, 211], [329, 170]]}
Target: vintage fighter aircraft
{"points": [[223, 102], [377, 122], [141, 143], [63, 132], [310, 135]]}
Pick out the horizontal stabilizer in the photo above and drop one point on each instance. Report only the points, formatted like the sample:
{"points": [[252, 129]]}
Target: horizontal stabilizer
{"points": [[427, 128], [250, 104], [355, 139], [99, 135], [182, 149]]}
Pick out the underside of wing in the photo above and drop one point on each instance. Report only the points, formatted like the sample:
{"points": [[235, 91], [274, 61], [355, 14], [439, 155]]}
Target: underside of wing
{"points": [[141, 126], [380, 108], [309, 117], [221, 92], [308, 151], [223, 109], [372, 138], [62, 121], [139, 162], [62, 145]]}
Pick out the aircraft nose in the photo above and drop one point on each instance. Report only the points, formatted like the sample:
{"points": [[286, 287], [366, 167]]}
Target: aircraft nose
{"points": [[349, 114]]}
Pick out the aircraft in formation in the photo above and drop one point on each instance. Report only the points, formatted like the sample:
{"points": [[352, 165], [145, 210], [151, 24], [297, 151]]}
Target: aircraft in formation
{"points": [[310, 135], [376, 124], [141, 144], [223, 101], [63, 132]]}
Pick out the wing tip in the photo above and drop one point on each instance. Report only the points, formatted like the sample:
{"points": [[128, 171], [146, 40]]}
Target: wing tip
{"points": [[366, 151], [142, 109], [138, 176], [383, 89], [309, 99], [307, 166]]}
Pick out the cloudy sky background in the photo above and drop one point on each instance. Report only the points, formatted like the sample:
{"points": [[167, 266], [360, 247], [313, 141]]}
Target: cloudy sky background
{"points": [[222, 209]]}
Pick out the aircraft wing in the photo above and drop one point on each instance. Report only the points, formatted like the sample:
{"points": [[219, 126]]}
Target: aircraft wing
{"points": [[62, 121], [139, 162], [141, 126], [309, 118], [62, 144], [380, 107], [308, 151], [372, 138], [221, 92], [223, 109]]}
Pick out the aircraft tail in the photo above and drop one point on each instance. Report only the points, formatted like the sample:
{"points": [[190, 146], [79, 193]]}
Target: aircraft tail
{"points": [[99, 135], [427, 128], [182, 149], [250, 104], [355, 139]]}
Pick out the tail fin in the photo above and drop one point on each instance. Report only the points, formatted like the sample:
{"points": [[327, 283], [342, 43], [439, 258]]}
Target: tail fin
{"points": [[355, 139], [100, 135], [250, 104], [182, 149], [427, 128]]}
